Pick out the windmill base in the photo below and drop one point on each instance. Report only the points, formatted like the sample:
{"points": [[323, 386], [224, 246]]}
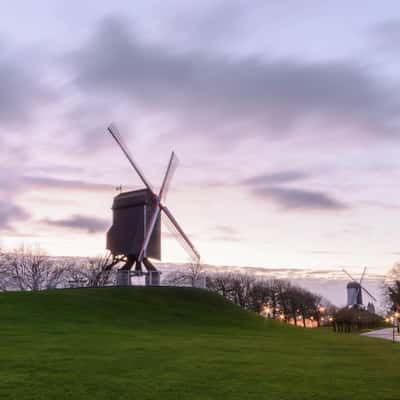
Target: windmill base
{"points": [[153, 278], [124, 274], [123, 277]]}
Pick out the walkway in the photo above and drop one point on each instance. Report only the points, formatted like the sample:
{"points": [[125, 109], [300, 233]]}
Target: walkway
{"points": [[386, 333]]}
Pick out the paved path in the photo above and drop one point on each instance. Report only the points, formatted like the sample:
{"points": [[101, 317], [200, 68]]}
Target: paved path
{"points": [[386, 333]]}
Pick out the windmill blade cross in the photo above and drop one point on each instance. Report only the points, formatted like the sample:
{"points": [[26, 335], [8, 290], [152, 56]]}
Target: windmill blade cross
{"points": [[361, 279], [362, 275], [174, 232], [117, 137], [348, 274], [154, 202], [149, 232], [368, 293], [182, 235], [172, 165]]}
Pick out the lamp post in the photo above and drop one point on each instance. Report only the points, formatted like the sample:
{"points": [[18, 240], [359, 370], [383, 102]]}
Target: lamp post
{"points": [[394, 319], [320, 312]]}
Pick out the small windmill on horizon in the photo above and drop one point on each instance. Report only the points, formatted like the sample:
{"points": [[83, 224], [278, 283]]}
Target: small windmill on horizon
{"points": [[355, 290]]}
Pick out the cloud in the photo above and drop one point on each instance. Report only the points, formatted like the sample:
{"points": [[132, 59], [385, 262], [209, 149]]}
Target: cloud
{"points": [[214, 93], [10, 213], [11, 188], [226, 233], [22, 90], [387, 35], [39, 182], [275, 187], [299, 199], [381, 204], [275, 178], [226, 229], [209, 26], [80, 222], [325, 252]]}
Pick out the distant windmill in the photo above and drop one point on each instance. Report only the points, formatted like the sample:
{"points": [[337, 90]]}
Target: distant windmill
{"points": [[354, 292], [135, 235]]}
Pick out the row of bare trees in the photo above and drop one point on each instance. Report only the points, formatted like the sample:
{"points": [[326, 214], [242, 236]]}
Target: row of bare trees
{"points": [[191, 275], [279, 298], [32, 269]]}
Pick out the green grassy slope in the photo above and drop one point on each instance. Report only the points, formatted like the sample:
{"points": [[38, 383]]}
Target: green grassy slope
{"points": [[169, 343]]}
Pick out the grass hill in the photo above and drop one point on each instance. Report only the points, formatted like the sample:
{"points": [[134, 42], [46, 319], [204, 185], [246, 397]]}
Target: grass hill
{"points": [[176, 343]]}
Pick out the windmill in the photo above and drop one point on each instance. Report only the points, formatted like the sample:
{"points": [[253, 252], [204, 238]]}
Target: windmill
{"points": [[354, 292], [135, 235]]}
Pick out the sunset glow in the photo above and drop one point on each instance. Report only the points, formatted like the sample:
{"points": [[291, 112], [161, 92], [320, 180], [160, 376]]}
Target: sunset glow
{"points": [[288, 155]]}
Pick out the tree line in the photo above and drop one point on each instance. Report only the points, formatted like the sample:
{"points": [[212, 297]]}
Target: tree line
{"points": [[275, 298], [29, 268], [32, 269]]}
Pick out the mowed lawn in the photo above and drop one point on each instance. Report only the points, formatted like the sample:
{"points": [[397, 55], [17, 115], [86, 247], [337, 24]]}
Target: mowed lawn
{"points": [[174, 343]]}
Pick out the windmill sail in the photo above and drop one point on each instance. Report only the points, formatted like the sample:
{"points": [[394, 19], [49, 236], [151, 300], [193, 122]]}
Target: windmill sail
{"points": [[136, 215]]}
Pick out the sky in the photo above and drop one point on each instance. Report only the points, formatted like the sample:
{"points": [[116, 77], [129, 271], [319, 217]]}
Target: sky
{"points": [[284, 115]]}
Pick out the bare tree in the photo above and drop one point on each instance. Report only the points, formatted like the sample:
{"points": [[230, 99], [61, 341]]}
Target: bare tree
{"points": [[283, 296], [5, 273], [391, 288], [278, 296], [274, 295], [191, 275], [260, 295], [28, 268], [76, 276], [97, 271], [220, 283], [241, 285], [295, 301]]}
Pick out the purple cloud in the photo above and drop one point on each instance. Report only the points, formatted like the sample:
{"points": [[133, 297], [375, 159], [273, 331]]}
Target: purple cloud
{"points": [[80, 222], [299, 199], [268, 98]]}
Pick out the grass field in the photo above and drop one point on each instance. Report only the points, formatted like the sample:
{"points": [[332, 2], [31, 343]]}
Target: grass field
{"points": [[170, 343]]}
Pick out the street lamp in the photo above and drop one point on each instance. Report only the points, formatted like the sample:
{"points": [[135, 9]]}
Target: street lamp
{"points": [[393, 321]]}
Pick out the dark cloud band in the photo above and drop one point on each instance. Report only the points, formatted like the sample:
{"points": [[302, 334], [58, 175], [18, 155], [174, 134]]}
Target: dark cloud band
{"points": [[262, 97], [80, 222]]}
